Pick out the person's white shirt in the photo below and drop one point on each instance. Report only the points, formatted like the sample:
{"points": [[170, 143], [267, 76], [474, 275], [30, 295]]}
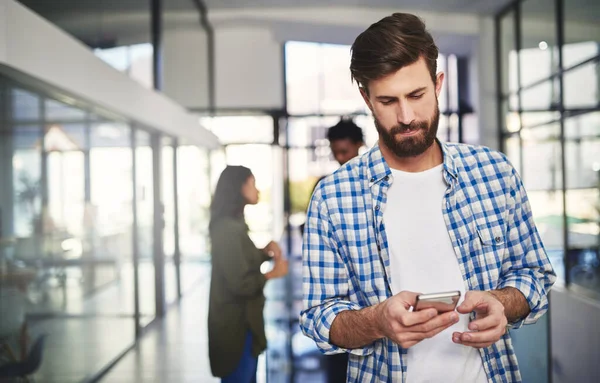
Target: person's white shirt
{"points": [[422, 259]]}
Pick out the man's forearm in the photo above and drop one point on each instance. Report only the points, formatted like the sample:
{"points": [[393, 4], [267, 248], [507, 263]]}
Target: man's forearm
{"points": [[515, 305], [355, 328]]}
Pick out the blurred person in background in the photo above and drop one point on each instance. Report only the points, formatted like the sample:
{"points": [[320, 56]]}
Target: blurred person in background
{"points": [[236, 332], [345, 140]]}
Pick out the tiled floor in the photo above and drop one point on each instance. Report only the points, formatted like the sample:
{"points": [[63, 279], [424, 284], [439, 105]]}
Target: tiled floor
{"points": [[176, 350], [86, 332]]}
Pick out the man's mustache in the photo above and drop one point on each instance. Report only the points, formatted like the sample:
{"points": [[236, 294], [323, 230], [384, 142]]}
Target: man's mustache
{"points": [[403, 128]]}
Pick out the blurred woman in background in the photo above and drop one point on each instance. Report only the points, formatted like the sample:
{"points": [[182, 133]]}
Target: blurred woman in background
{"points": [[236, 330]]}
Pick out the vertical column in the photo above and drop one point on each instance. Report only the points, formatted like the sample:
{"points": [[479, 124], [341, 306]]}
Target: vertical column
{"points": [[159, 224], [464, 94], [135, 239], [156, 31], [177, 250]]}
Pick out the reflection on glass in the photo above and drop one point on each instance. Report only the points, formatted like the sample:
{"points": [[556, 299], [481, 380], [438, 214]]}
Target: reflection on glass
{"points": [[512, 150], [532, 120], [145, 225], [194, 200], [65, 234], [512, 119], [110, 212], [25, 105], [471, 128], [581, 28], [193, 183], [582, 125], [24, 143], [583, 220], [58, 111], [582, 86], [66, 188], [547, 209], [583, 161], [540, 97], [542, 165], [538, 57]]}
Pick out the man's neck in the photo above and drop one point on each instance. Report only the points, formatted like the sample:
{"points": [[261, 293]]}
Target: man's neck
{"points": [[430, 158]]}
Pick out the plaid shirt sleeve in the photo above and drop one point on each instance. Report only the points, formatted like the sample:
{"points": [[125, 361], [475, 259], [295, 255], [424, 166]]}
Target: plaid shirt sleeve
{"points": [[527, 267], [325, 279]]}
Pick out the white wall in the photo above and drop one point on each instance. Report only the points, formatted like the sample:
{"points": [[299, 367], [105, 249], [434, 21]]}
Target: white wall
{"points": [[249, 68], [185, 66], [40, 50]]}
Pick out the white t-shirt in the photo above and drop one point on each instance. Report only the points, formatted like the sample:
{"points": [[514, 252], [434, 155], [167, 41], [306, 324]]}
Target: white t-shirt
{"points": [[422, 259]]}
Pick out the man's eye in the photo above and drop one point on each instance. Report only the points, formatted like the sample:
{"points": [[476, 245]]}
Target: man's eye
{"points": [[387, 102], [416, 96]]}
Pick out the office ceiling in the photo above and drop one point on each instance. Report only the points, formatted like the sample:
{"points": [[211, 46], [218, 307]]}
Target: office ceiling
{"points": [[461, 6], [68, 6], [106, 22]]}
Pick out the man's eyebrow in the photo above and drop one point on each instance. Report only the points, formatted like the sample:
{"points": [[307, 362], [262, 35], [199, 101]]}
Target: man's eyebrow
{"points": [[412, 93], [418, 90]]}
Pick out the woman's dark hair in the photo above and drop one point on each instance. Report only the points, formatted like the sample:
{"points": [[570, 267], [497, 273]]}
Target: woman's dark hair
{"points": [[390, 44], [228, 201]]}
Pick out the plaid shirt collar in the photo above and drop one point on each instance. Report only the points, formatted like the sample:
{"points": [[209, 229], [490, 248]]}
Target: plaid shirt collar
{"points": [[378, 169]]}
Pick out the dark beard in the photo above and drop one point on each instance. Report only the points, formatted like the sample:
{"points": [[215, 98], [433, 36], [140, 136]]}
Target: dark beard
{"points": [[414, 145]]}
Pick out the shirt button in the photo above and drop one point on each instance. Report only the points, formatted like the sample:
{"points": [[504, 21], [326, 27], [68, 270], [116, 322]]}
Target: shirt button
{"points": [[387, 178], [498, 239], [377, 207], [373, 179]]}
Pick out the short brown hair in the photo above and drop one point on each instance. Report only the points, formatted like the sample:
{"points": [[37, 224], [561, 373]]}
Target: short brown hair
{"points": [[390, 44]]}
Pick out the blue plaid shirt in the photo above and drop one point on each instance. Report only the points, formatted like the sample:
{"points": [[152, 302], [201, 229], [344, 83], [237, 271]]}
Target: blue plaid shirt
{"points": [[346, 264]]}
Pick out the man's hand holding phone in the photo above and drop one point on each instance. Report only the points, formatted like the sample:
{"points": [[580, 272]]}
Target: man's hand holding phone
{"points": [[490, 321], [408, 328]]}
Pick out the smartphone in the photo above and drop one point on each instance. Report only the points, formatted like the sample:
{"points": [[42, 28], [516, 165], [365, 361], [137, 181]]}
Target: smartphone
{"points": [[442, 302]]}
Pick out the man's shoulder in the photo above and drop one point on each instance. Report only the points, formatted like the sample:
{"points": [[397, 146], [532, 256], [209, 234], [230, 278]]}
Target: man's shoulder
{"points": [[477, 157], [348, 177]]}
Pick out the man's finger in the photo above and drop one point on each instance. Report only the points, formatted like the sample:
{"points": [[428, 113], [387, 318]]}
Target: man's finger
{"points": [[418, 336], [491, 335], [441, 321], [485, 323], [408, 297], [409, 319]]}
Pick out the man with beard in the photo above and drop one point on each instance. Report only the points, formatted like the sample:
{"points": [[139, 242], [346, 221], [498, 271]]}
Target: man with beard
{"points": [[414, 215]]}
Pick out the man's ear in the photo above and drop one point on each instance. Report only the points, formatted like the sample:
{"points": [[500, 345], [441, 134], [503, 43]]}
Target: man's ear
{"points": [[365, 97], [439, 80]]}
